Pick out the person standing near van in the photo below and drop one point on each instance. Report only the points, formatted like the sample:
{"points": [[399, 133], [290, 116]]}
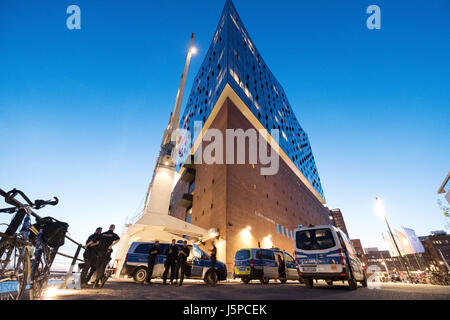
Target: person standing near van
{"points": [[107, 240], [90, 256], [281, 267], [152, 255], [171, 262], [182, 259], [213, 262]]}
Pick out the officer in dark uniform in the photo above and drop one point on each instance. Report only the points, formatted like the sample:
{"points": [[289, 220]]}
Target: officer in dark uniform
{"points": [[107, 240], [213, 261], [152, 254], [281, 267], [171, 262], [90, 256], [183, 253]]}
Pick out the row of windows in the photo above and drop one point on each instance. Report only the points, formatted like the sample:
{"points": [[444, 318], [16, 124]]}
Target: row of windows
{"points": [[253, 82], [439, 241], [285, 232]]}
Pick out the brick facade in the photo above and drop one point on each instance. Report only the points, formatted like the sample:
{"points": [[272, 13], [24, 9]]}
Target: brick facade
{"points": [[234, 197]]}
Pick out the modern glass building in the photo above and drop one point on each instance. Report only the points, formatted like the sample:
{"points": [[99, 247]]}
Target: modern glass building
{"points": [[234, 59]]}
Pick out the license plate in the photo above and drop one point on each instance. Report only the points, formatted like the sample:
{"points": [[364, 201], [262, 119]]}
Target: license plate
{"points": [[242, 268], [309, 269]]}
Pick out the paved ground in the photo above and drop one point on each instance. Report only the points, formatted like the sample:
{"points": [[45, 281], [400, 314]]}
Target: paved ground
{"points": [[233, 290]]}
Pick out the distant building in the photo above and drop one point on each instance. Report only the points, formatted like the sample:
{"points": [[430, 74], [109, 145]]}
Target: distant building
{"points": [[338, 220], [359, 248], [388, 264], [437, 250], [372, 249]]}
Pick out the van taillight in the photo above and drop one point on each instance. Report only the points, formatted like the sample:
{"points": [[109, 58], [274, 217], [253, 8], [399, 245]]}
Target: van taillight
{"points": [[341, 255], [252, 263]]}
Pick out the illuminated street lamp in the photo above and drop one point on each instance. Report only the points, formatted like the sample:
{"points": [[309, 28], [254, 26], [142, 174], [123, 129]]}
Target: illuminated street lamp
{"points": [[193, 50], [379, 210]]}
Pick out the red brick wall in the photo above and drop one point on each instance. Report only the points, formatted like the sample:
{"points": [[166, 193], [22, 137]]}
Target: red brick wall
{"points": [[239, 195]]}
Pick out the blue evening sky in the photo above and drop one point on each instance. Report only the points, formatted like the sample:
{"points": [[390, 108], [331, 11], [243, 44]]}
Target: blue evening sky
{"points": [[82, 112]]}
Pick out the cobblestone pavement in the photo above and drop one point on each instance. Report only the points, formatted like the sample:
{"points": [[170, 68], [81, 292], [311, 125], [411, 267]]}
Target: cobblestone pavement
{"points": [[125, 289]]}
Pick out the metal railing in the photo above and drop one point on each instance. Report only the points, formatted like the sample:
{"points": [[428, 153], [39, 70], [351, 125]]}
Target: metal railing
{"points": [[74, 259]]}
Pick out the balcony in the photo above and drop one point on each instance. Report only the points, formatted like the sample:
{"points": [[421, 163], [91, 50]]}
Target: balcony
{"points": [[188, 175], [189, 165], [186, 200]]}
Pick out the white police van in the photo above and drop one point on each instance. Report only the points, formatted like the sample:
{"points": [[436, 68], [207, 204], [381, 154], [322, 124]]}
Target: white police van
{"points": [[325, 252]]}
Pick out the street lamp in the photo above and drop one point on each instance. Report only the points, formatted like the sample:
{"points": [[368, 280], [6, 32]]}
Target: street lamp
{"points": [[379, 210], [193, 50]]}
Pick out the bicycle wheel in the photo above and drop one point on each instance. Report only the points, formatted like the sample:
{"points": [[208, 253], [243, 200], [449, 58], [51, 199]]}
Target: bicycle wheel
{"points": [[22, 270], [40, 270], [6, 250], [15, 269]]}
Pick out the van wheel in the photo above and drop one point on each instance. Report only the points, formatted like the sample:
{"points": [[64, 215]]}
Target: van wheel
{"points": [[140, 274], [352, 284], [245, 280], [364, 281], [209, 276], [300, 280], [283, 281], [329, 282], [309, 282]]}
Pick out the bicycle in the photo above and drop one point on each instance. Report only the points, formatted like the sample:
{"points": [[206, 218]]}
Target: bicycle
{"points": [[15, 272], [44, 237]]}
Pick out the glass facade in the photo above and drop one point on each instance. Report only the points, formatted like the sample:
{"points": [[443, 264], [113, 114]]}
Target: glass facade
{"points": [[233, 58]]}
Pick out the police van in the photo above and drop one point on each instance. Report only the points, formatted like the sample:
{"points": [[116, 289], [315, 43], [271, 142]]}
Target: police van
{"points": [[261, 264], [325, 252], [198, 263]]}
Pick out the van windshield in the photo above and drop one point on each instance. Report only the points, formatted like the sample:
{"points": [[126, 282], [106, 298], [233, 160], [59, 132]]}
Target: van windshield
{"points": [[315, 239], [242, 255]]}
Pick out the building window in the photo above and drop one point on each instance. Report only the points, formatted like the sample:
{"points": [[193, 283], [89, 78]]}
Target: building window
{"points": [[188, 215], [191, 187], [278, 228], [282, 230]]}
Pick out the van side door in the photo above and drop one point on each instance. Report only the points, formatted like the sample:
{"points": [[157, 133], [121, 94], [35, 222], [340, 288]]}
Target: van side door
{"points": [[355, 264], [140, 255], [160, 260], [197, 268], [270, 265], [291, 267]]}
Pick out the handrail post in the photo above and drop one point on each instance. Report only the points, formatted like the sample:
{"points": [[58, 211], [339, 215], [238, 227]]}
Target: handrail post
{"points": [[74, 261]]}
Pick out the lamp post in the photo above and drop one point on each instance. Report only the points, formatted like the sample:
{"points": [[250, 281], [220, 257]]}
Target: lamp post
{"points": [[380, 211]]}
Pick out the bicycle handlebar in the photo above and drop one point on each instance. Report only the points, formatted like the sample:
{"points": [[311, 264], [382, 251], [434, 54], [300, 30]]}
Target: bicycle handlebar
{"points": [[42, 203], [10, 198]]}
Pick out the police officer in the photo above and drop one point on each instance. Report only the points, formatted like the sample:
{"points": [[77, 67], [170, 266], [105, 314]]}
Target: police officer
{"points": [[90, 256], [171, 262], [182, 258], [107, 240], [152, 254], [213, 261]]}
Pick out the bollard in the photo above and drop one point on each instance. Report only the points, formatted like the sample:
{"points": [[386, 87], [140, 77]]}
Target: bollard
{"points": [[74, 261]]}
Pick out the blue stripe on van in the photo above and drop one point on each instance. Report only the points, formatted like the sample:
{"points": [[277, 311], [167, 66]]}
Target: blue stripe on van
{"points": [[332, 257]]}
